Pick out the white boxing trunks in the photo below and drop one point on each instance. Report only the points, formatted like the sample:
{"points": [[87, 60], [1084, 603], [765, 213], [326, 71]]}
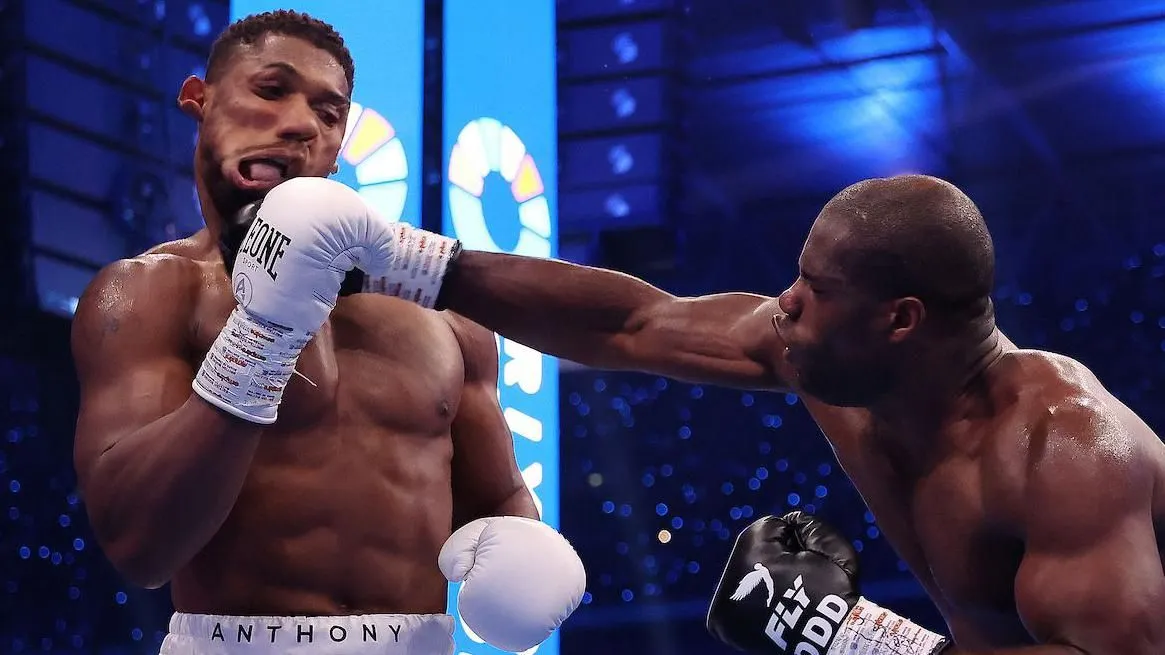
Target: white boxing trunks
{"points": [[369, 634]]}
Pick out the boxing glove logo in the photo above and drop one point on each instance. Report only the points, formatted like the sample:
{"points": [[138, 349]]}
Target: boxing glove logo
{"points": [[793, 619], [266, 245], [751, 581], [243, 288]]}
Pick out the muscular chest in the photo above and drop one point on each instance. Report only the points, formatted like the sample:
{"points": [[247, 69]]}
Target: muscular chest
{"points": [[942, 526], [377, 361], [972, 560]]}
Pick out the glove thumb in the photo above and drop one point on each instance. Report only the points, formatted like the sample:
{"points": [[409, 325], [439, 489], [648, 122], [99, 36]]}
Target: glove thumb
{"points": [[819, 537], [457, 555]]}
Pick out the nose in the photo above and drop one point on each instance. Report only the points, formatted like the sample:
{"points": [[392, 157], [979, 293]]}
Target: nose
{"points": [[789, 303], [299, 123]]}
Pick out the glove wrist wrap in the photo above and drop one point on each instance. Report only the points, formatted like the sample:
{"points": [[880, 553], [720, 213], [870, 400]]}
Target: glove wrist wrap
{"points": [[246, 370], [418, 269], [873, 630]]}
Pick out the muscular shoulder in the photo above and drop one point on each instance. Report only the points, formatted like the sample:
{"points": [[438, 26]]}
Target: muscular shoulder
{"points": [[192, 248], [1056, 394], [151, 291], [479, 346], [125, 283], [1032, 387], [1046, 372], [1064, 433]]}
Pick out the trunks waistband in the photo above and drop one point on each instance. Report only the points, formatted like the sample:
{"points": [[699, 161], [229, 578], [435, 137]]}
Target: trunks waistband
{"points": [[367, 634]]}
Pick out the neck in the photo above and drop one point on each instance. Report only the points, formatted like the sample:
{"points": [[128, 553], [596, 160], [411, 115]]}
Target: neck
{"points": [[210, 214], [945, 388]]}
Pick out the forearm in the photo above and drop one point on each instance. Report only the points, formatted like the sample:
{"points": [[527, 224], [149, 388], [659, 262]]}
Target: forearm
{"points": [[555, 307], [160, 493], [519, 503], [609, 320]]}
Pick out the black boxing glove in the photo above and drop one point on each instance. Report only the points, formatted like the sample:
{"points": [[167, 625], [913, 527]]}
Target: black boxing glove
{"points": [[235, 230], [791, 586]]}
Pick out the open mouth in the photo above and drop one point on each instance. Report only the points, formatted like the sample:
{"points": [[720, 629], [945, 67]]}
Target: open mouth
{"points": [[262, 173]]}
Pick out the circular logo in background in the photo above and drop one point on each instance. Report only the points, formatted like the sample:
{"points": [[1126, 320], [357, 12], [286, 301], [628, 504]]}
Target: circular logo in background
{"points": [[486, 146], [372, 148]]}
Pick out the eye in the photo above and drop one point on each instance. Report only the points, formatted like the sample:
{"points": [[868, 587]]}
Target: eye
{"points": [[270, 91], [328, 117], [813, 288]]}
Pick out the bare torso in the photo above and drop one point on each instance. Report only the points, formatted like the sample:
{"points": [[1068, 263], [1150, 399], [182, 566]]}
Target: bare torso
{"points": [[952, 522], [349, 498]]}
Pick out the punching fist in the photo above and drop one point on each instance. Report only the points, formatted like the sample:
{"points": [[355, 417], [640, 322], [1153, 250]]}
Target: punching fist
{"points": [[521, 579], [791, 586], [286, 274]]}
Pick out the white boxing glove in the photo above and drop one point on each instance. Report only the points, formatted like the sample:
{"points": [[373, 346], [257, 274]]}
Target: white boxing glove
{"points": [[307, 233], [419, 262], [521, 579]]}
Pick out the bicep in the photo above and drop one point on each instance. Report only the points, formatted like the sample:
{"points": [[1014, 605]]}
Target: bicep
{"points": [[486, 477], [1102, 599], [1091, 575], [124, 396], [130, 366]]}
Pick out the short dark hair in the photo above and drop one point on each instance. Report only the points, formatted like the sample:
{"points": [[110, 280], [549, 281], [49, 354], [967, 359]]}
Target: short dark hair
{"points": [[916, 235], [249, 30]]}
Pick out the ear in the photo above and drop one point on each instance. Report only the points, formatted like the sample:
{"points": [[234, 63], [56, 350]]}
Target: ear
{"points": [[906, 317], [192, 97]]}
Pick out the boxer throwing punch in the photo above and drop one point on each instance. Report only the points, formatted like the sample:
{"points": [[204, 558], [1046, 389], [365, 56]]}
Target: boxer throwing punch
{"points": [[1028, 501], [308, 468]]}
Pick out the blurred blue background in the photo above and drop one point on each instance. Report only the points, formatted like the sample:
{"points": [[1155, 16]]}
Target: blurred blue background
{"points": [[695, 140]]}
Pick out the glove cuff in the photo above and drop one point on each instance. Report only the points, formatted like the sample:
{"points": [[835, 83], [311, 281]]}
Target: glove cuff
{"points": [[419, 268], [248, 367], [873, 630]]}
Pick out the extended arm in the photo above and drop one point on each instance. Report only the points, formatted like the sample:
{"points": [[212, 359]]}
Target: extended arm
{"points": [[609, 320], [159, 468]]}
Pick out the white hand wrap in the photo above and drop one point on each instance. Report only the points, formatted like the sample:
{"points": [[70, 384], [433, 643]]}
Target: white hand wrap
{"points": [[419, 263], [248, 367], [306, 234], [873, 630]]}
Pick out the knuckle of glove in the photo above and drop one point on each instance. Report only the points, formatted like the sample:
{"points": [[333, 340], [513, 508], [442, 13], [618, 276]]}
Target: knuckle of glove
{"points": [[327, 213], [524, 581], [781, 589], [315, 197], [820, 537]]}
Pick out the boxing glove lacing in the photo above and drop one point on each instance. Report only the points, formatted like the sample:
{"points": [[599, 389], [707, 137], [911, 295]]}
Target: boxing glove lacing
{"points": [[249, 366]]}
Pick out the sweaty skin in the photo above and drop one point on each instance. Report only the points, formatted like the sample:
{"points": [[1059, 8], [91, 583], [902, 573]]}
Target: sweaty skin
{"points": [[1028, 501], [341, 506]]}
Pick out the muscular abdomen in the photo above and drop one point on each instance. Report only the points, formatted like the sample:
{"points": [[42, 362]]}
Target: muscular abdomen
{"points": [[349, 498], [333, 535]]}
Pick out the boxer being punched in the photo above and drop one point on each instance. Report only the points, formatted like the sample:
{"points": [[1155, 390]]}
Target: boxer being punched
{"points": [[1027, 499], [306, 470]]}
